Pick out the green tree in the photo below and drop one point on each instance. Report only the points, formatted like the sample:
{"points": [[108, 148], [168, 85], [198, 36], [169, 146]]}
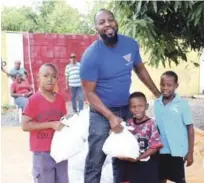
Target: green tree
{"points": [[19, 19], [165, 29], [58, 17], [87, 20], [47, 16], [51, 17]]}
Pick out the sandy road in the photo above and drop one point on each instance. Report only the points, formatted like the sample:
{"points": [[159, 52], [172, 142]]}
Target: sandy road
{"points": [[16, 161]]}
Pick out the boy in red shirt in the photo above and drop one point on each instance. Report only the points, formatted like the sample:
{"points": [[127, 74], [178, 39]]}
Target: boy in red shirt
{"points": [[41, 118]]}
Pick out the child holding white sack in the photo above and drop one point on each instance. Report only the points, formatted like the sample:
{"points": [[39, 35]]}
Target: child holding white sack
{"points": [[145, 168]]}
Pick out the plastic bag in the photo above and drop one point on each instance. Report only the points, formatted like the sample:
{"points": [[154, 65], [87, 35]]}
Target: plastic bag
{"points": [[122, 144], [71, 139]]}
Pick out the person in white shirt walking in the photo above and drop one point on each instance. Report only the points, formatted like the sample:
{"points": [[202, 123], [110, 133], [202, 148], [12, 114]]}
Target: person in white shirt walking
{"points": [[73, 81]]}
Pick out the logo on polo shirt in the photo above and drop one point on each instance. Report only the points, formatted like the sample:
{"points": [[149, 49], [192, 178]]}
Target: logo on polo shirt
{"points": [[175, 109], [127, 57]]}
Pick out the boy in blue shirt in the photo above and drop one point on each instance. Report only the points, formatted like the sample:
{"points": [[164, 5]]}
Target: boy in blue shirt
{"points": [[174, 121]]}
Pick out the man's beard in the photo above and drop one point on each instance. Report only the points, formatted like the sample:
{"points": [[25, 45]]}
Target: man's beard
{"points": [[110, 40]]}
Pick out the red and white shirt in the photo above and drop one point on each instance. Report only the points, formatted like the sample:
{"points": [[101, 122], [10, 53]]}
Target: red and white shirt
{"points": [[146, 133]]}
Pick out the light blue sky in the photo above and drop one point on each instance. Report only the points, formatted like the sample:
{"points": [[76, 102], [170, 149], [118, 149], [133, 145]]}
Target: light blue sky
{"points": [[81, 5]]}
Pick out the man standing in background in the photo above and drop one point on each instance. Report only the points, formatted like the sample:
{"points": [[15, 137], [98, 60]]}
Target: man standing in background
{"points": [[17, 69], [72, 75]]}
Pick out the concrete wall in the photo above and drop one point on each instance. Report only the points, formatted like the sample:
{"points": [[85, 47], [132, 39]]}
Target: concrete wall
{"points": [[4, 78], [36, 49], [189, 81], [52, 48], [202, 72]]}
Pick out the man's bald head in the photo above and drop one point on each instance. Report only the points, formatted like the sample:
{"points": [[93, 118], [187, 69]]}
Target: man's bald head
{"points": [[106, 26], [17, 61], [102, 10], [17, 64]]}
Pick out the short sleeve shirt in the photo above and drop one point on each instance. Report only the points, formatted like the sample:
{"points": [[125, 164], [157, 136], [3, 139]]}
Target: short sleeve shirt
{"points": [[72, 73], [42, 110], [20, 88], [14, 71], [146, 133], [172, 120], [111, 69]]}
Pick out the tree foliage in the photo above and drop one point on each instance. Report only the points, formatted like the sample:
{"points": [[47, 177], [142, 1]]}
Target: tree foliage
{"points": [[19, 19], [166, 29], [46, 16], [87, 21], [58, 17], [51, 17]]}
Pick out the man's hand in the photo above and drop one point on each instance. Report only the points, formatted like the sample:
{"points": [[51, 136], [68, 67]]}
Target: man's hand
{"points": [[57, 125], [189, 159], [115, 123]]}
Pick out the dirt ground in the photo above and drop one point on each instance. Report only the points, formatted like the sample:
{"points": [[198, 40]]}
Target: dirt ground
{"points": [[16, 160], [15, 156]]}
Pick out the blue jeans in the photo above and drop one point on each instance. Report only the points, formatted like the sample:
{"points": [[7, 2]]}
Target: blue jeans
{"points": [[98, 132], [77, 95], [21, 102]]}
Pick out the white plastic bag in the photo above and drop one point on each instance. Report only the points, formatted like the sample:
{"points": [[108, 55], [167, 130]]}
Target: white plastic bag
{"points": [[122, 144], [70, 140]]}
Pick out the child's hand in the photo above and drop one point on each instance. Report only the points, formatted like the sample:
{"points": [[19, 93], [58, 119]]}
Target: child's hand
{"points": [[189, 159], [128, 159], [57, 125]]}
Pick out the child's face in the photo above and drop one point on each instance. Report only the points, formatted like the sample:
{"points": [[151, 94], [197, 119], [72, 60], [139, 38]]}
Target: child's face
{"points": [[168, 86], [47, 78], [138, 107]]}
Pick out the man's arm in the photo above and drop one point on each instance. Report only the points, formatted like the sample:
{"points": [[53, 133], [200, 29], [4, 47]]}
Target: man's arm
{"points": [[67, 82], [25, 71], [95, 101], [3, 70], [6, 72], [66, 73], [144, 76]]}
